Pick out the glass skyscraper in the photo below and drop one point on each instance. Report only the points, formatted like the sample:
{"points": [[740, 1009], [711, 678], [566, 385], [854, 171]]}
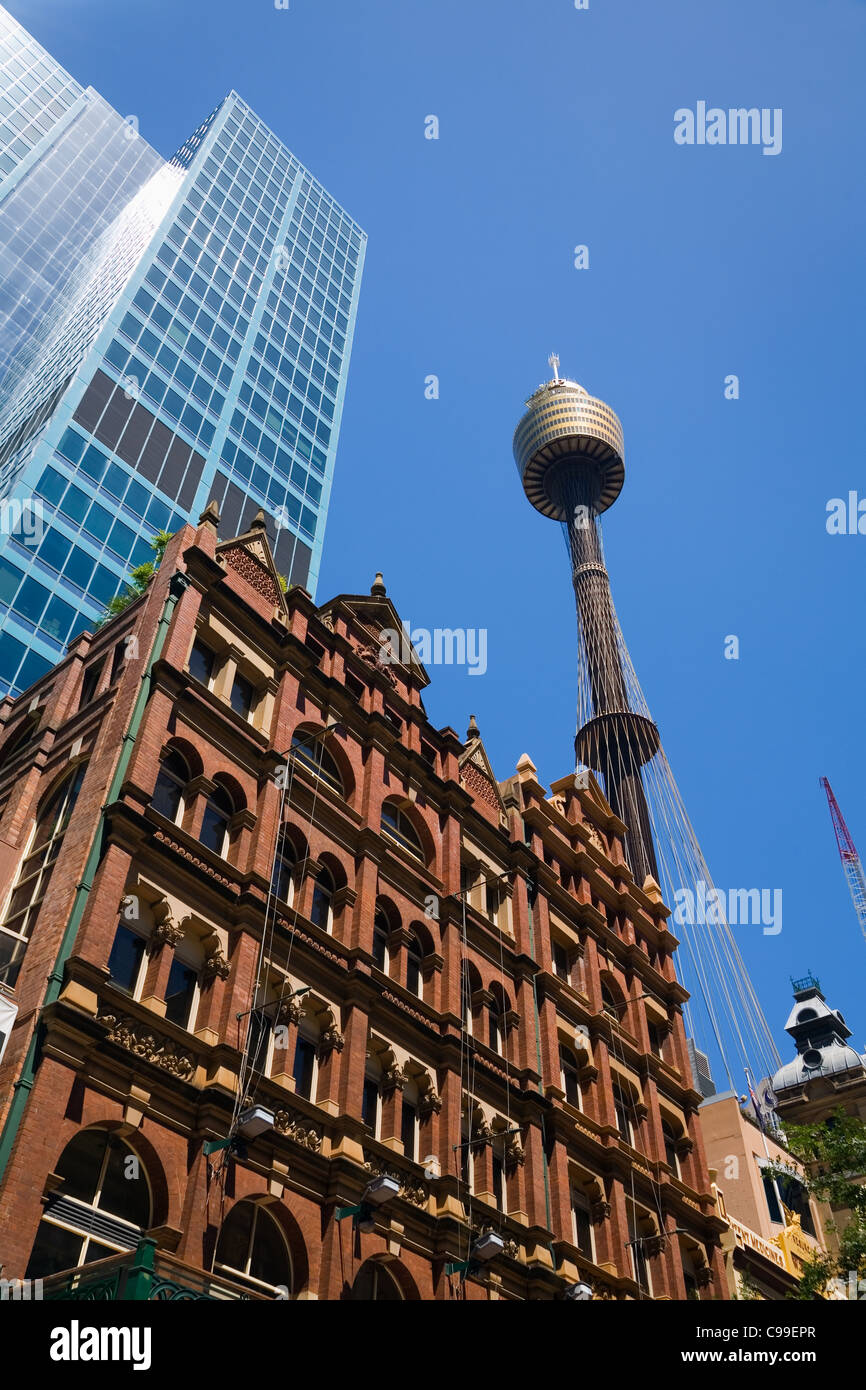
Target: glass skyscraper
{"points": [[170, 332]]}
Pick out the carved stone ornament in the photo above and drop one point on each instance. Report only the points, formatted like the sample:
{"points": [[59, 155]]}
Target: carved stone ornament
{"points": [[482, 1133], [703, 1276], [165, 933], [158, 1051], [594, 838], [514, 1155], [331, 1040], [290, 1011], [373, 657], [429, 1103], [655, 1245], [393, 1079], [599, 1211], [215, 966], [292, 1128]]}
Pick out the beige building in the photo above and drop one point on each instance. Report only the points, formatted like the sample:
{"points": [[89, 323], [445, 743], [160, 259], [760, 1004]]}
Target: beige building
{"points": [[774, 1226]]}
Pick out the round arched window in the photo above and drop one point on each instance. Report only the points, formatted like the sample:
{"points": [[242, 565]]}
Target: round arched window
{"points": [[102, 1206], [321, 909], [374, 1283], [310, 752], [214, 833], [253, 1249], [168, 792], [397, 827]]}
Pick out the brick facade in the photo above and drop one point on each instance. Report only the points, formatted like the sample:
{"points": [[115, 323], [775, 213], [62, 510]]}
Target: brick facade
{"points": [[459, 944]]}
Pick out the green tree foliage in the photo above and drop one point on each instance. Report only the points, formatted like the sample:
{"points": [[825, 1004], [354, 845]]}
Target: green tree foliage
{"points": [[833, 1154], [139, 579]]}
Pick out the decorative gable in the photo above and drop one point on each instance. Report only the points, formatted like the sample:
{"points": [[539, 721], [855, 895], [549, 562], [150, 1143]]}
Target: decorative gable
{"points": [[476, 773], [249, 556]]}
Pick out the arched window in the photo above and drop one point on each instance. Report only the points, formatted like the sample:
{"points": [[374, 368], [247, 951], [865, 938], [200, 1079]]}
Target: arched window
{"points": [[214, 833], [397, 827], [470, 981], [610, 1004], [182, 987], [414, 965], [371, 1096], [311, 753], [253, 1249], [624, 1114], [581, 1223], [34, 875], [104, 1189], [381, 932], [322, 910], [494, 1026], [283, 880], [259, 1042], [168, 793], [306, 1056], [498, 1174], [126, 961], [670, 1142], [375, 1284], [467, 1158], [409, 1120], [569, 1076]]}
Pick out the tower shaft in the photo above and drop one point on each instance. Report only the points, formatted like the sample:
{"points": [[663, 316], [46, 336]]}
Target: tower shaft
{"points": [[569, 451], [612, 742]]}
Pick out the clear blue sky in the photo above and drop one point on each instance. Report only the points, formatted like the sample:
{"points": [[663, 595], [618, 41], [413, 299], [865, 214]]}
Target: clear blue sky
{"points": [[556, 128]]}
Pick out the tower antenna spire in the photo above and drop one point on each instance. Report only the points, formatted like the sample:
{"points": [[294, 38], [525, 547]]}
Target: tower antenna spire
{"points": [[553, 362]]}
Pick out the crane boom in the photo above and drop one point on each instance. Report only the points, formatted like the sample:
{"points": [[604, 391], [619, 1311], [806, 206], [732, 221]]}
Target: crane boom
{"points": [[849, 856]]}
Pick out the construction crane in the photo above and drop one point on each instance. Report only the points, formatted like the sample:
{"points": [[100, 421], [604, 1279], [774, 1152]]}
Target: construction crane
{"points": [[849, 856]]}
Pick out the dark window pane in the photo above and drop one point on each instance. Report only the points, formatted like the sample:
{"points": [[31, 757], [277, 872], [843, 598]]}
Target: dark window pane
{"points": [[269, 1262], [408, 1128], [80, 1164], [305, 1058], [125, 958], [54, 1250], [213, 829], [179, 993], [242, 696], [201, 660], [125, 1192]]}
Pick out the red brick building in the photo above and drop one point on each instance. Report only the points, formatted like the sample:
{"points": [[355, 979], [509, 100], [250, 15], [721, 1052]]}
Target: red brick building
{"points": [[242, 869]]}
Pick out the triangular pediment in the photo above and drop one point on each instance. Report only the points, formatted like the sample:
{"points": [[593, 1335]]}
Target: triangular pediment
{"points": [[250, 557], [476, 772], [376, 630]]}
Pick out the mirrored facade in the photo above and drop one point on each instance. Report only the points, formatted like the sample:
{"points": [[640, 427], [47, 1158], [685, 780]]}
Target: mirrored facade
{"points": [[191, 342]]}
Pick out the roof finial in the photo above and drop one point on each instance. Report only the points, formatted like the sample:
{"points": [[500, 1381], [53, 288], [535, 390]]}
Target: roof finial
{"points": [[553, 362], [211, 515], [378, 586], [259, 523], [473, 731]]}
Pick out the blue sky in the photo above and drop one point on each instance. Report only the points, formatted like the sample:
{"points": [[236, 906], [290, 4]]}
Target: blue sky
{"points": [[556, 129]]}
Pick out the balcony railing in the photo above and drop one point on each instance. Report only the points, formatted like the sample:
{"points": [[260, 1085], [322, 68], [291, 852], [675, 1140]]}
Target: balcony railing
{"points": [[140, 1276]]}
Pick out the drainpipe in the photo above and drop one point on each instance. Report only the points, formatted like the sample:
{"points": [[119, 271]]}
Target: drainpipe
{"points": [[24, 1085]]}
